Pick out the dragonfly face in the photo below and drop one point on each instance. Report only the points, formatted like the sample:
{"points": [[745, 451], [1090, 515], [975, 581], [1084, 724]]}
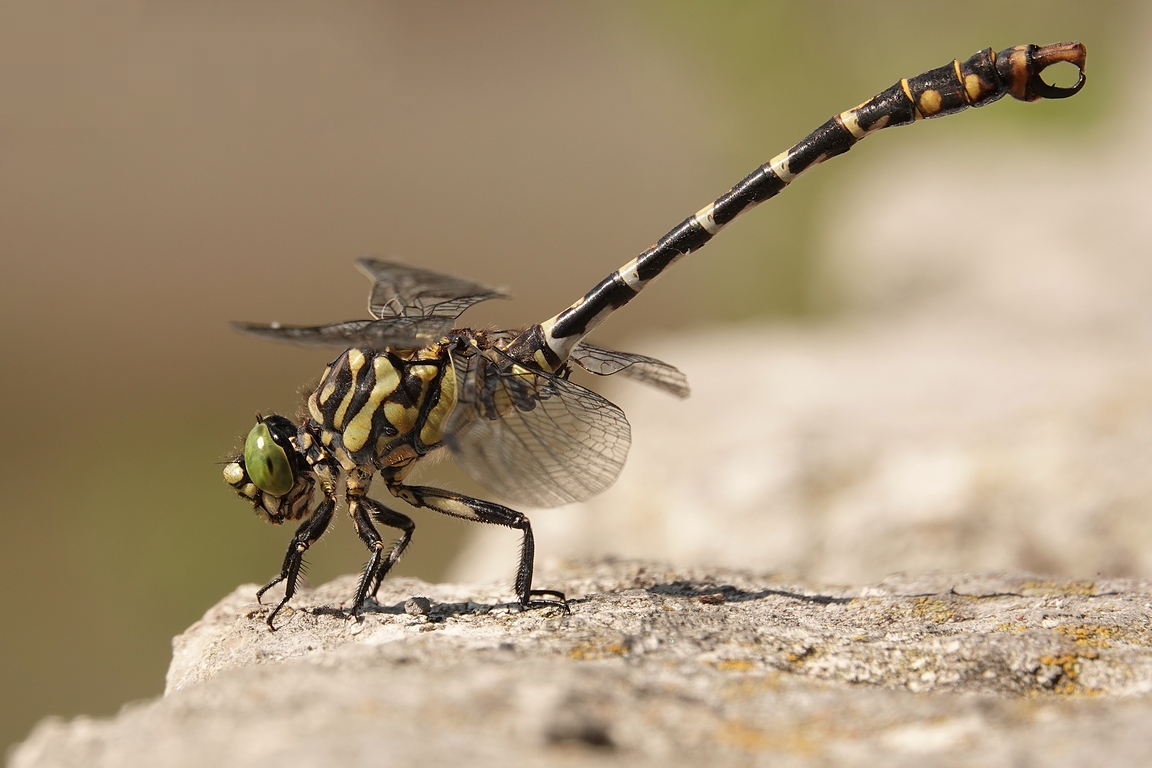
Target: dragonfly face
{"points": [[271, 473], [409, 381]]}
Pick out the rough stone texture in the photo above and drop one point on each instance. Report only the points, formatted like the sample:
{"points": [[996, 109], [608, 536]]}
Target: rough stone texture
{"points": [[654, 666]]}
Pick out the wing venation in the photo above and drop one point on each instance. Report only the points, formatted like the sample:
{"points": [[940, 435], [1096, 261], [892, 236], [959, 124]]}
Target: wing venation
{"points": [[647, 370], [402, 291], [388, 333], [534, 438]]}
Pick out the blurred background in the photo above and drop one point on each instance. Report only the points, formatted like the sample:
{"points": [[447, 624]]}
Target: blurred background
{"points": [[168, 166]]}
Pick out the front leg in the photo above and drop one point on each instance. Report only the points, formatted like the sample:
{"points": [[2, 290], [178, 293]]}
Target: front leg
{"points": [[468, 508], [307, 534]]}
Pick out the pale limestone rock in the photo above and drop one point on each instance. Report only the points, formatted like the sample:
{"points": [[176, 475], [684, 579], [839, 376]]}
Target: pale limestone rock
{"points": [[654, 666]]}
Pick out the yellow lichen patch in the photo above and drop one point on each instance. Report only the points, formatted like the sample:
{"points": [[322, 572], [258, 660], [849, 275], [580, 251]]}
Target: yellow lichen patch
{"points": [[1011, 627], [1039, 587], [734, 665], [747, 738], [932, 610], [743, 736], [746, 686], [1069, 664], [1095, 635], [593, 651]]}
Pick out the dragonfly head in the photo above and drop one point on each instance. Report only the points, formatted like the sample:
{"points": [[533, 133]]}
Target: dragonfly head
{"points": [[271, 473]]}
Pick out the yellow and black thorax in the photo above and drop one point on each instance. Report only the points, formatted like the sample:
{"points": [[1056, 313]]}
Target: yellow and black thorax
{"points": [[384, 407]]}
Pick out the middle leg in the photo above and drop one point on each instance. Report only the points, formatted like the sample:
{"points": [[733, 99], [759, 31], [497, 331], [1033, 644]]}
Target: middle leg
{"points": [[363, 511]]}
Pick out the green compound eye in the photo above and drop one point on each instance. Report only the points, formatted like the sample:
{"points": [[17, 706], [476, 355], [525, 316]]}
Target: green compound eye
{"points": [[267, 463]]}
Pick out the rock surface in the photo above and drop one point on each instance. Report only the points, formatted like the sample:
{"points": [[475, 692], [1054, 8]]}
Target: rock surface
{"points": [[654, 666]]}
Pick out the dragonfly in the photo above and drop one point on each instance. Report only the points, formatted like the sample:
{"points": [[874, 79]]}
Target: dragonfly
{"points": [[409, 382]]}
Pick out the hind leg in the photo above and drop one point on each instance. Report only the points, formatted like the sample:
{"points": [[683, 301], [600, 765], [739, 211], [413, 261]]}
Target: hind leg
{"points": [[469, 508]]}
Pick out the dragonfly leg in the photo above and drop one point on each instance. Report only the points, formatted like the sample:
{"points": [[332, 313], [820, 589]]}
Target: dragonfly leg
{"points": [[306, 535], [363, 511], [469, 508]]}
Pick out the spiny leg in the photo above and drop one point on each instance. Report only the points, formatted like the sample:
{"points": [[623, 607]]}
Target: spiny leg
{"points": [[363, 510], [306, 535], [392, 519], [469, 508]]}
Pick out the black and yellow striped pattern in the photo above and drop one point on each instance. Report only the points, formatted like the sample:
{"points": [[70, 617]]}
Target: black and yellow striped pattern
{"points": [[383, 408], [982, 79]]}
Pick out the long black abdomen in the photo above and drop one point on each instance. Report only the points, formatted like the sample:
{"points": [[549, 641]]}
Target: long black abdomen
{"points": [[980, 80]]}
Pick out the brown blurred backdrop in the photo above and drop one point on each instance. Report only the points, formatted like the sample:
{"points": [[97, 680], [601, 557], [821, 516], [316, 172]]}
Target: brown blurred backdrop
{"points": [[167, 166]]}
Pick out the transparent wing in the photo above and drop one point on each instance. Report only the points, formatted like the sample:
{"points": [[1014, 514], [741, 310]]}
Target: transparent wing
{"points": [[534, 438], [403, 291], [389, 333], [647, 370]]}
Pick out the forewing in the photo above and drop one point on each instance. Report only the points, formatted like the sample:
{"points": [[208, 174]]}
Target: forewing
{"points": [[647, 370], [402, 291], [389, 333], [534, 438]]}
